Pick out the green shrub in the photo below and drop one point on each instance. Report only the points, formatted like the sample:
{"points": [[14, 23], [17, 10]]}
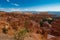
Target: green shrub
{"points": [[21, 34], [4, 30]]}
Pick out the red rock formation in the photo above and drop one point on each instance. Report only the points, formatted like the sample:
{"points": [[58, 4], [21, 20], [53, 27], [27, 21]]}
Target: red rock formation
{"points": [[56, 27], [18, 20]]}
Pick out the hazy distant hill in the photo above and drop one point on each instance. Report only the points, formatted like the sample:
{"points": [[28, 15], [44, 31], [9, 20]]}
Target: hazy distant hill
{"points": [[50, 12], [56, 13]]}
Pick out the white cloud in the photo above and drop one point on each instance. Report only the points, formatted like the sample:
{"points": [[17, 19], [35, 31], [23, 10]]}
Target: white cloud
{"points": [[2, 9], [43, 8], [25, 9], [15, 9], [15, 4], [46, 8], [8, 0], [10, 9], [49, 8]]}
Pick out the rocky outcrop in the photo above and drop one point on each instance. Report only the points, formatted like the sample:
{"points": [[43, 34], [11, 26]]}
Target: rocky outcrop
{"points": [[14, 21]]}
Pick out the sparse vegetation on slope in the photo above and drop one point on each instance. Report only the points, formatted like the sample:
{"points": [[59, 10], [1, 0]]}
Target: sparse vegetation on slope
{"points": [[31, 24]]}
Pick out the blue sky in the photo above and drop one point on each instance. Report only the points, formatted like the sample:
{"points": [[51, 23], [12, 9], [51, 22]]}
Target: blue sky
{"points": [[29, 5]]}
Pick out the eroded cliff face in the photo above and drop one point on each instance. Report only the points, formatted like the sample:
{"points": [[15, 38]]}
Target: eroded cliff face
{"points": [[56, 27], [19, 20], [14, 21]]}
